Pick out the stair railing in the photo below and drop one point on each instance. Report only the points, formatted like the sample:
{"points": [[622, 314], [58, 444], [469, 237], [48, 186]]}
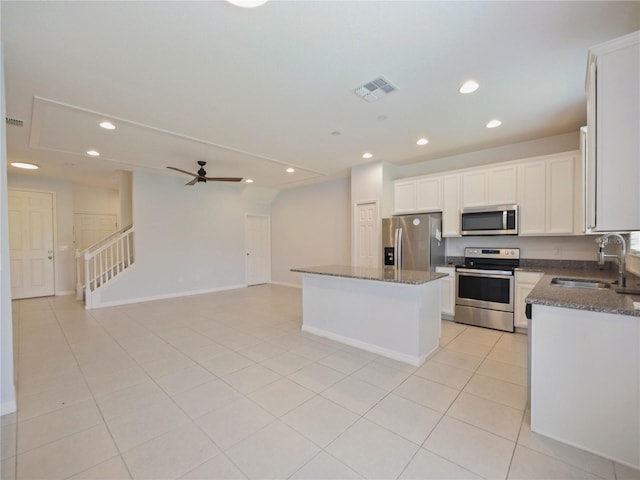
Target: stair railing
{"points": [[101, 262]]}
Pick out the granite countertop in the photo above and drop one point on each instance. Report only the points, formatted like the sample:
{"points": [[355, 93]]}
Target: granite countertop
{"points": [[601, 300], [409, 277]]}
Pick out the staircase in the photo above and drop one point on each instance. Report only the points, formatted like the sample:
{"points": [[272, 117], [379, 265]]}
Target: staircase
{"points": [[103, 261]]}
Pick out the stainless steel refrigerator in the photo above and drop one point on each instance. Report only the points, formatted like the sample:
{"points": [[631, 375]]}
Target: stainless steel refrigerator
{"points": [[413, 242]]}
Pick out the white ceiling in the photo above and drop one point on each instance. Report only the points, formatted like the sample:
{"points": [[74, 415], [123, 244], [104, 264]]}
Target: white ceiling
{"points": [[252, 91]]}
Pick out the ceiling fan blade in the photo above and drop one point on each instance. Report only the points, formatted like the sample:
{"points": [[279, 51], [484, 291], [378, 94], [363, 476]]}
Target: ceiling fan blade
{"points": [[224, 179], [183, 171], [192, 182]]}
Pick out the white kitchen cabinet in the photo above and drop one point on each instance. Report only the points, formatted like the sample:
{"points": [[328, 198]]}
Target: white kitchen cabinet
{"points": [[490, 186], [448, 291], [546, 195], [585, 380], [475, 188], [418, 194], [429, 194], [525, 281], [560, 185], [532, 193], [451, 203], [613, 149], [404, 196], [502, 185]]}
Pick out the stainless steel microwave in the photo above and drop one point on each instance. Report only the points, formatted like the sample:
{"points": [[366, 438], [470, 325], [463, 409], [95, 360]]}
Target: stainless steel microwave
{"points": [[491, 220]]}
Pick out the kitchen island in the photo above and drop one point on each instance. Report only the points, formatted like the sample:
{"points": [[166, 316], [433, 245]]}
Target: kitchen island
{"points": [[393, 313]]}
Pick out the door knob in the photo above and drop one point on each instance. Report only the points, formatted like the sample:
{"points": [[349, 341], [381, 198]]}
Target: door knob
{"points": [[49, 257]]}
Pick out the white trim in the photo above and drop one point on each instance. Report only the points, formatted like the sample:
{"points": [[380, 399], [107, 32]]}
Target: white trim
{"points": [[99, 304], [38, 102], [410, 359], [65, 292], [8, 407], [285, 284]]}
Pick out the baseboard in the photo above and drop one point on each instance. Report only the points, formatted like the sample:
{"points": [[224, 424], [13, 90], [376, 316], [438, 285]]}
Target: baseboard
{"points": [[401, 357], [65, 292], [285, 284], [166, 296], [8, 407]]}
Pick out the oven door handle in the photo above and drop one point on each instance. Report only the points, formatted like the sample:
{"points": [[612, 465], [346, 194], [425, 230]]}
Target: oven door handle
{"points": [[472, 272]]}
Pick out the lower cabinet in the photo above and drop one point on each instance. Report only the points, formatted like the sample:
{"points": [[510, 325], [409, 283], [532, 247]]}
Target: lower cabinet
{"points": [[525, 281], [585, 380], [448, 291]]}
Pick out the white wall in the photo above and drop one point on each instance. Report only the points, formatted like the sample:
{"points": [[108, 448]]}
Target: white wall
{"points": [[187, 239], [515, 151], [578, 247], [126, 205], [7, 387], [310, 226], [96, 200], [65, 267]]}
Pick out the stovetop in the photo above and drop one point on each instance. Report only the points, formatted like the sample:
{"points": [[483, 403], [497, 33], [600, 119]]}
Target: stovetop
{"points": [[491, 258]]}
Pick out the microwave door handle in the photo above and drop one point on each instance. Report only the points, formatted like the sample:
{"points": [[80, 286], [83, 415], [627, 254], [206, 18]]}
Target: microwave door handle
{"points": [[504, 220]]}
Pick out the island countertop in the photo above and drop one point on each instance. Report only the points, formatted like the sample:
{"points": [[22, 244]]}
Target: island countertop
{"points": [[409, 277]]}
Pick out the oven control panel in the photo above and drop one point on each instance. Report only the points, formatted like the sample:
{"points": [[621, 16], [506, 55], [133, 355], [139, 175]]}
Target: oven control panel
{"points": [[510, 253]]}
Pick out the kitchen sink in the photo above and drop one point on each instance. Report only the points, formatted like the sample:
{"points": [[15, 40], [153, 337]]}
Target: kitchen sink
{"points": [[580, 283], [628, 291]]}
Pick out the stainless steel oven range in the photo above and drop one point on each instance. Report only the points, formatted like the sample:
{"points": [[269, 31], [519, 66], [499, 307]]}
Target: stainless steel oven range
{"points": [[485, 287]]}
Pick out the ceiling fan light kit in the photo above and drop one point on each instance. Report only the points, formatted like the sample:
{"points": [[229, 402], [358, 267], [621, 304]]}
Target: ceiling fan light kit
{"points": [[201, 175]]}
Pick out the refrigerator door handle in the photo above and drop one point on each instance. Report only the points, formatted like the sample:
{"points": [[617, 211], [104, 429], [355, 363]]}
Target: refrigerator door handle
{"points": [[399, 248], [396, 251]]}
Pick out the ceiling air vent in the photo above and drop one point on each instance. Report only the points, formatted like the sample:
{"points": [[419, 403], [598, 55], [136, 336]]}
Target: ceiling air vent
{"points": [[375, 89], [14, 121]]}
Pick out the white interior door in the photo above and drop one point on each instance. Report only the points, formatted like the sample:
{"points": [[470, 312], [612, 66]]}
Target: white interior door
{"points": [[90, 228], [367, 232], [31, 244], [258, 249]]}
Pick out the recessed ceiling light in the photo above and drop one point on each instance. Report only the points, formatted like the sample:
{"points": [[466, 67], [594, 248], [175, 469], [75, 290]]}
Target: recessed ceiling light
{"points": [[107, 125], [494, 124], [93, 153], [247, 3], [336, 133], [422, 141], [26, 166], [469, 86], [367, 155], [248, 180], [290, 170]]}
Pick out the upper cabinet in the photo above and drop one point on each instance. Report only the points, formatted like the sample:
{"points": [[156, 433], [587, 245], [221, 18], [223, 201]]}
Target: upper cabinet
{"points": [[613, 148], [547, 195], [429, 194], [404, 196], [489, 186], [421, 194], [548, 191], [451, 203]]}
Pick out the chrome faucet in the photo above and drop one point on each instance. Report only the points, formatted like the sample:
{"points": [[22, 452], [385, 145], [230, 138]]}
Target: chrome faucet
{"points": [[602, 242]]}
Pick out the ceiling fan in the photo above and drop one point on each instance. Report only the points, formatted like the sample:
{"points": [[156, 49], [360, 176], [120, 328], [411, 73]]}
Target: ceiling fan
{"points": [[201, 175]]}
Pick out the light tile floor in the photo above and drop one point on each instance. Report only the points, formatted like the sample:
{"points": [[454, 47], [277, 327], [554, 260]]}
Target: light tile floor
{"points": [[225, 385]]}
